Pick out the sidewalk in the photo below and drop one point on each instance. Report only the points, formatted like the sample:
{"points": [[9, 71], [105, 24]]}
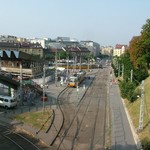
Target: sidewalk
{"points": [[122, 136]]}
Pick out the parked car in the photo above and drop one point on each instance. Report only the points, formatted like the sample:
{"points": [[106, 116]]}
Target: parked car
{"points": [[7, 101]]}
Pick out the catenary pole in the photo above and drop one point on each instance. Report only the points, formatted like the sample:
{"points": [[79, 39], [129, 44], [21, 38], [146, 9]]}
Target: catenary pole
{"points": [[141, 107], [43, 89]]}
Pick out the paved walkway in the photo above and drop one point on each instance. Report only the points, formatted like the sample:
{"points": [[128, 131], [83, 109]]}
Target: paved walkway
{"points": [[121, 135]]}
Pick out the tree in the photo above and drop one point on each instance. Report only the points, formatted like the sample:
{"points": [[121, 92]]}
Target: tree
{"points": [[134, 50], [139, 48], [127, 90], [125, 60], [144, 43]]}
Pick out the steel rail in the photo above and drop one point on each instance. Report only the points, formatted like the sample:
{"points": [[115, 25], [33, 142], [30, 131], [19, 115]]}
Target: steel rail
{"points": [[7, 133]]}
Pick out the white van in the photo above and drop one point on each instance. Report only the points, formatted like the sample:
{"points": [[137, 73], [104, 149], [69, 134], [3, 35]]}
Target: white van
{"points": [[7, 101]]}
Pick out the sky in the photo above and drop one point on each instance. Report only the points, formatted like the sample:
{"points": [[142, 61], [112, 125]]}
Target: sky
{"points": [[107, 22]]}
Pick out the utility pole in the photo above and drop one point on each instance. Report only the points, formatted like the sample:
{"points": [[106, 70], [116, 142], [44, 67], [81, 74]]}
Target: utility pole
{"points": [[122, 70], [67, 58], [43, 89], [118, 70], [56, 68], [80, 62], [67, 63], [80, 58], [88, 64], [21, 92], [131, 77], [141, 107], [75, 62]]}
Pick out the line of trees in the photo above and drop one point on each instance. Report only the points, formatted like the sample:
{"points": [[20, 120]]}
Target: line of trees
{"points": [[137, 59]]}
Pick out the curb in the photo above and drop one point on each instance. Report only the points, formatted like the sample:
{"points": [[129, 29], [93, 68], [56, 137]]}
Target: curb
{"points": [[133, 130]]}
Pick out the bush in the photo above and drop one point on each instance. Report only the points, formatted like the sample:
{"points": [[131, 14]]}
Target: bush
{"points": [[127, 89], [140, 74], [145, 144]]}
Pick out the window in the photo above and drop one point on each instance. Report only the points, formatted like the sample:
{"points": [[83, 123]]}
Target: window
{"points": [[1, 99], [6, 100], [12, 100]]}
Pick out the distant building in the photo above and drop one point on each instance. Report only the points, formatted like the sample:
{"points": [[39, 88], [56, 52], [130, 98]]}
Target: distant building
{"points": [[93, 47], [9, 46], [76, 51], [107, 50], [61, 39], [11, 60], [119, 50], [30, 48], [42, 41], [8, 38]]}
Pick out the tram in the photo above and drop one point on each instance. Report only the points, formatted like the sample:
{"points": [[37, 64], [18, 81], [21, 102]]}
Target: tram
{"points": [[76, 79]]}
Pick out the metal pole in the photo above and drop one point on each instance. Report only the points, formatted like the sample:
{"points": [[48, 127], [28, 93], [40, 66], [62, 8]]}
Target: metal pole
{"points": [[67, 63], [131, 78], [43, 89], [122, 70], [118, 70], [75, 62], [141, 107], [21, 92], [56, 68], [88, 64], [80, 61], [80, 56]]}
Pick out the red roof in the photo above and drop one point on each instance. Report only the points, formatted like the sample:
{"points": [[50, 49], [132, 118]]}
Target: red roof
{"points": [[119, 46]]}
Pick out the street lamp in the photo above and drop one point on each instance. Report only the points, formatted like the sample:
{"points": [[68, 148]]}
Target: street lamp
{"points": [[75, 61], [56, 68], [141, 107], [80, 57], [21, 92], [142, 102], [88, 68], [67, 59], [43, 89]]}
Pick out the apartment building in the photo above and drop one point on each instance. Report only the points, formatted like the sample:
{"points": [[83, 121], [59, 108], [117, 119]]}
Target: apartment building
{"points": [[93, 47], [119, 50], [29, 48], [107, 50]]}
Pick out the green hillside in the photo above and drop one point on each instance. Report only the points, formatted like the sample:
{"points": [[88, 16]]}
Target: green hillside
{"points": [[134, 110]]}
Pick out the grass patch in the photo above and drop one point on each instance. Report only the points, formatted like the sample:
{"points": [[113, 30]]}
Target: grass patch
{"points": [[134, 111], [36, 119]]}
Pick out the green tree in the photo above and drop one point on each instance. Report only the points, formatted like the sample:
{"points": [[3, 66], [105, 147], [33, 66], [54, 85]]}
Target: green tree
{"points": [[144, 44], [134, 50], [127, 90], [125, 60]]}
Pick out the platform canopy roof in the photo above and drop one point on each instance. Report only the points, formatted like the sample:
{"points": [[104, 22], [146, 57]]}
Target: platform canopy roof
{"points": [[14, 54]]}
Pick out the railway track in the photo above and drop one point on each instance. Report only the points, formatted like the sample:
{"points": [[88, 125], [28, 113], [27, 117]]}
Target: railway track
{"points": [[84, 120], [15, 140]]}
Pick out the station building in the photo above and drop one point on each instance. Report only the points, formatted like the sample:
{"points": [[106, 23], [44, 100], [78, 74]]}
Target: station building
{"points": [[16, 62]]}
